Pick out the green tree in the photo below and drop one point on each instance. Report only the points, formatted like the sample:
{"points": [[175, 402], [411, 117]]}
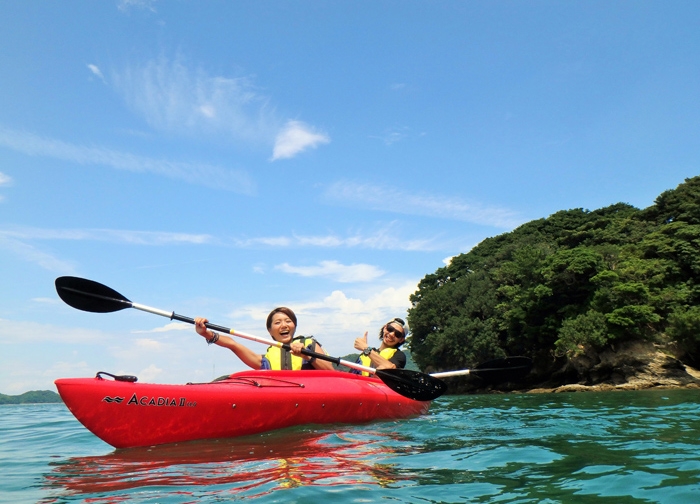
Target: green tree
{"points": [[574, 280]]}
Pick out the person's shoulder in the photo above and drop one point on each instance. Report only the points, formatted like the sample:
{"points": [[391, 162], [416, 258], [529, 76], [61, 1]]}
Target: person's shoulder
{"points": [[307, 338]]}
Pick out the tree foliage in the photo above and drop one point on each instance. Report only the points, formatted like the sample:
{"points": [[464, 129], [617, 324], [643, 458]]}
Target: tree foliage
{"points": [[559, 285]]}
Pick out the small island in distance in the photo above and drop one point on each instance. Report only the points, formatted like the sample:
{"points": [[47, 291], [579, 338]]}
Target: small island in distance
{"points": [[31, 397]]}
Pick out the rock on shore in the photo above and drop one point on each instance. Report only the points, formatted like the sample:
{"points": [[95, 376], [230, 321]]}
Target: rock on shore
{"points": [[630, 366]]}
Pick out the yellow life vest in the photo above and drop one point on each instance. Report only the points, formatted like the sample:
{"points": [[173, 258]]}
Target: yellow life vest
{"points": [[279, 358], [387, 353]]}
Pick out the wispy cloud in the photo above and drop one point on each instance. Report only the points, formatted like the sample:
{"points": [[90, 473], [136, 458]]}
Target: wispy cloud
{"points": [[31, 254], [96, 71], [392, 135], [174, 98], [336, 271], [296, 137], [126, 5], [5, 180], [385, 238], [18, 241], [172, 326], [40, 333], [383, 198], [107, 235], [199, 174]]}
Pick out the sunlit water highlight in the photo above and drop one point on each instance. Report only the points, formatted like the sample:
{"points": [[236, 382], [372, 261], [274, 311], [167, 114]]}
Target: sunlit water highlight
{"points": [[621, 447]]}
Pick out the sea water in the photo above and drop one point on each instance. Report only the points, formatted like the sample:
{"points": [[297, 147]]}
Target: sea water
{"points": [[612, 447]]}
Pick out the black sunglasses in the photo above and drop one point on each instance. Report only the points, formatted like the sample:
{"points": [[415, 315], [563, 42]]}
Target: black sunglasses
{"points": [[393, 330]]}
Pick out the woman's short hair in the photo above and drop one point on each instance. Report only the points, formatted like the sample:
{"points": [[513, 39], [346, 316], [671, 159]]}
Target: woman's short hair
{"points": [[281, 309]]}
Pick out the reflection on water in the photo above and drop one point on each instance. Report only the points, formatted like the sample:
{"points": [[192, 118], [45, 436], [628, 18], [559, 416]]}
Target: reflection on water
{"points": [[256, 465], [621, 447]]}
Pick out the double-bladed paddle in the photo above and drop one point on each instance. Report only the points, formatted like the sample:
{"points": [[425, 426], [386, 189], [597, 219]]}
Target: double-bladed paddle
{"points": [[91, 296], [495, 371]]}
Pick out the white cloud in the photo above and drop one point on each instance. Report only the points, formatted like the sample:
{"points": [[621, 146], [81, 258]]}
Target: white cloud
{"points": [[174, 98], [5, 180], [268, 241], [65, 369], [31, 254], [49, 301], [96, 71], [20, 375], [384, 198], [125, 5], [385, 238], [107, 235], [11, 330], [148, 345], [149, 374], [137, 351], [200, 174], [336, 271], [392, 135], [172, 326], [296, 137], [16, 241], [338, 318]]}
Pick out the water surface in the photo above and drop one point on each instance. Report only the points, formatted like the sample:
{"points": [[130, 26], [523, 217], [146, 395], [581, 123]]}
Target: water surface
{"points": [[621, 447]]}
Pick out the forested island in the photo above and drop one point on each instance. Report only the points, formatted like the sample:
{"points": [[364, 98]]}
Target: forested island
{"points": [[607, 298], [31, 397]]}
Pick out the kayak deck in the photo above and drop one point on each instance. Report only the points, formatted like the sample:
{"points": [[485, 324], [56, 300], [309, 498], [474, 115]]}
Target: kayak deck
{"points": [[125, 414]]}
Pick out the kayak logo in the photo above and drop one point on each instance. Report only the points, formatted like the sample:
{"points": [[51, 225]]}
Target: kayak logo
{"points": [[157, 401], [117, 400]]}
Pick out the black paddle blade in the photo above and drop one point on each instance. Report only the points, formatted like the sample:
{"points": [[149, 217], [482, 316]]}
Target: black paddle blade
{"points": [[412, 384], [503, 370], [90, 296]]}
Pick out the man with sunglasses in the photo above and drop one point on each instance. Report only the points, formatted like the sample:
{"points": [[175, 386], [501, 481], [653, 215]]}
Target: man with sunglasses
{"points": [[387, 356]]}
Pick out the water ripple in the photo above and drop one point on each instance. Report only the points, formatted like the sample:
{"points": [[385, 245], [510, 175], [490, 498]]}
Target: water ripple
{"points": [[622, 447]]}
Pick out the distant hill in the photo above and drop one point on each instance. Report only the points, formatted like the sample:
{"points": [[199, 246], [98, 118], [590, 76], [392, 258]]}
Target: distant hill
{"points": [[31, 397]]}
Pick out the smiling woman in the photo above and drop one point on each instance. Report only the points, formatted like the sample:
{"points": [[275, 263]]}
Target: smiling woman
{"points": [[281, 324]]}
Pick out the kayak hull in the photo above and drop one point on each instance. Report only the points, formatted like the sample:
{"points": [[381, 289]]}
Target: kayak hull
{"points": [[125, 414]]}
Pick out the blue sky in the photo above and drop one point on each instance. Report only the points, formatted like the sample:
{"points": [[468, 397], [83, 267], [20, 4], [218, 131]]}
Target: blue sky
{"points": [[222, 158]]}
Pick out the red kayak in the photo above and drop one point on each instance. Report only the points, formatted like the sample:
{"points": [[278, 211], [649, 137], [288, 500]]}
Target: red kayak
{"points": [[126, 414]]}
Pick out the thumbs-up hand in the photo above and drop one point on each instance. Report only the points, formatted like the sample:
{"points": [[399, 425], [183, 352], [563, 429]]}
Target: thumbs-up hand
{"points": [[361, 342]]}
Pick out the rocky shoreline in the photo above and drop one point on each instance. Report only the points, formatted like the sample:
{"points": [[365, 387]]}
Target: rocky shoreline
{"points": [[632, 366], [637, 365]]}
